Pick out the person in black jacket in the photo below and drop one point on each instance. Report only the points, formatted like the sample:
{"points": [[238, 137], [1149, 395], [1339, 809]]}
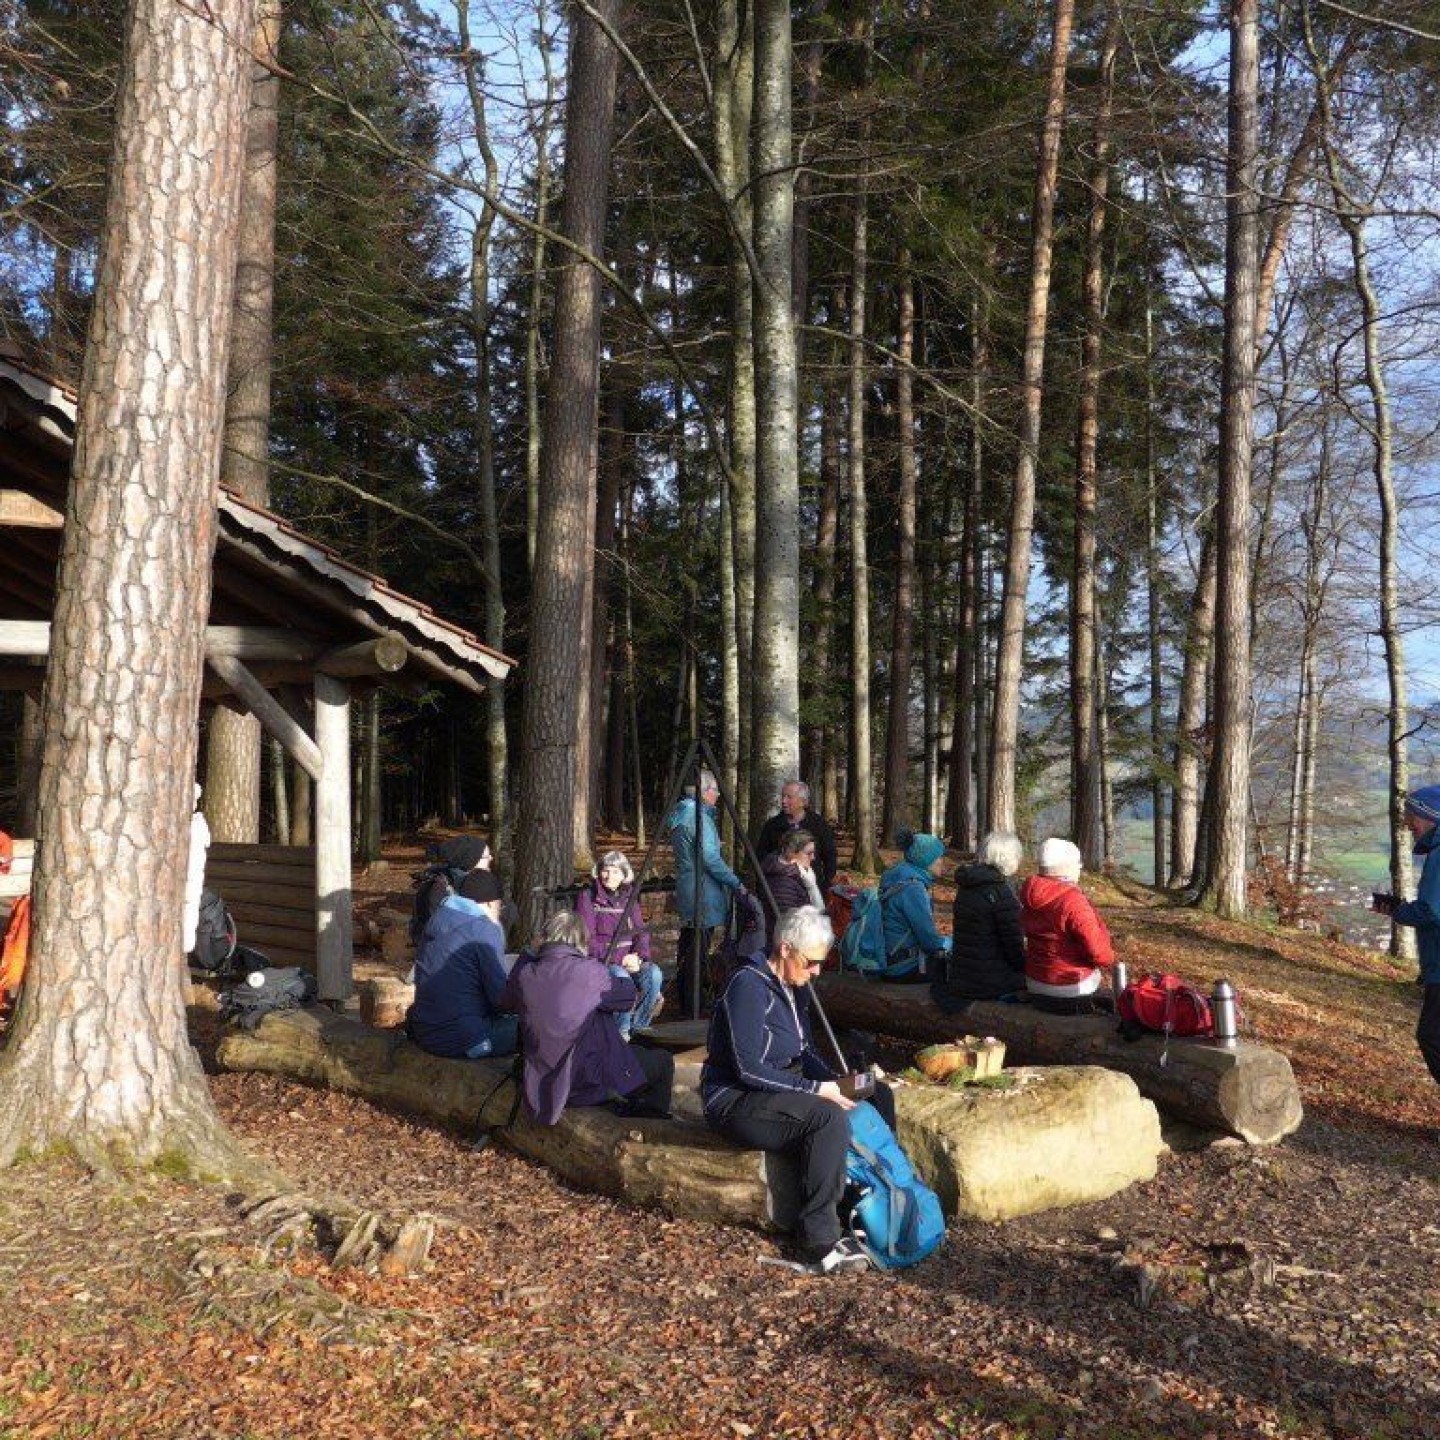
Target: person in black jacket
{"points": [[987, 955], [796, 814], [790, 874]]}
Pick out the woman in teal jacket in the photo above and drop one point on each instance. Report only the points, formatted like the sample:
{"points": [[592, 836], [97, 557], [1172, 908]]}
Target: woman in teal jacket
{"points": [[703, 882], [906, 908], [1422, 815]]}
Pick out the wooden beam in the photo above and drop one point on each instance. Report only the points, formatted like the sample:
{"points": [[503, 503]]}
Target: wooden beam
{"points": [[334, 919], [240, 642], [270, 713], [21, 509], [383, 655]]}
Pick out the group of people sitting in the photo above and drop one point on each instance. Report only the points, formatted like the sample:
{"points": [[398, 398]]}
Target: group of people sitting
{"points": [[573, 1004]]}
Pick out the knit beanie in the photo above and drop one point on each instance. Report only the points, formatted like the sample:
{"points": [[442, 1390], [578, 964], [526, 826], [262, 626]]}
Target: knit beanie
{"points": [[1060, 857], [481, 887], [1425, 802], [922, 851]]}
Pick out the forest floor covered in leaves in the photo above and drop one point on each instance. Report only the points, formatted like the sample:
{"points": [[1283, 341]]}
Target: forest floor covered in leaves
{"points": [[1289, 1291]]}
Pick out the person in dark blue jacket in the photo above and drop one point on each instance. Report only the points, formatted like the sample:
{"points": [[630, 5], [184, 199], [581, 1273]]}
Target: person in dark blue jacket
{"points": [[765, 1086], [1422, 815], [460, 976]]}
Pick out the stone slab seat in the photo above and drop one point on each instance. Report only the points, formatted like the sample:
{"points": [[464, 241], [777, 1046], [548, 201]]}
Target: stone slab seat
{"points": [[1245, 1089], [1061, 1136]]}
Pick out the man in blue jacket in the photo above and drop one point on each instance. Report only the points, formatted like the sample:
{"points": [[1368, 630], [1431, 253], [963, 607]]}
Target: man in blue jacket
{"points": [[1422, 814], [703, 881], [460, 976]]}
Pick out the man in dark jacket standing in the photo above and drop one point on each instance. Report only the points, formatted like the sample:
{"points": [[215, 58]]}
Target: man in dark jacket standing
{"points": [[796, 814]]}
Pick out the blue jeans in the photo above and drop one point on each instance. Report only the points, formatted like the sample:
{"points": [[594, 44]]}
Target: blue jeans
{"points": [[648, 981], [504, 1033]]}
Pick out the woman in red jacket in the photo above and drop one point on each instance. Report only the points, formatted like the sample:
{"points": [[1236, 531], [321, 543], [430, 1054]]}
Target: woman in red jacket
{"points": [[1066, 942]]}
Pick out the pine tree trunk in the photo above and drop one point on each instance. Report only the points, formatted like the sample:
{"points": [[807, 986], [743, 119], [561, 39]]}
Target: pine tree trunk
{"points": [[1152, 607], [371, 789], [612, 463], [824, 761], [776, 650], [534, 362], [1005, 716], [279, 792], [1085, 819], [497, 748], [1229, 776], [734, 103], [232, 745], [862, 797], [100, 1062], [554, 712], [896, 810]]}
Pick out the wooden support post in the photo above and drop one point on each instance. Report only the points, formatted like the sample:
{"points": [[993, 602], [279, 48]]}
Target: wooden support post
{"points": [[334, 922], [269, 712]]}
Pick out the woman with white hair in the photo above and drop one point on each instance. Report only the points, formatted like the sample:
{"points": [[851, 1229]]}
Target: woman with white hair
{"points": [[765, 1086], [987, 947], [1066, 942], [610, 908]]}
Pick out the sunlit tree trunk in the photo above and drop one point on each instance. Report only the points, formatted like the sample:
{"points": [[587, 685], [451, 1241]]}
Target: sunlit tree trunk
{"points": [[552, 784], [232, 743], [1005, 714], [540, 134], [1229, 775], [1085, 819], [824, 748], [100, 1062], [776, 654]]}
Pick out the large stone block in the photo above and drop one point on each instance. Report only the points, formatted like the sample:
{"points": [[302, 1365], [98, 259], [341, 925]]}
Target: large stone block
{"points": [[1063, 1135]]}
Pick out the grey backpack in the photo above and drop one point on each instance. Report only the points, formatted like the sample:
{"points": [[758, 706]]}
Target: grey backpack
{"points": [[283, 987]]}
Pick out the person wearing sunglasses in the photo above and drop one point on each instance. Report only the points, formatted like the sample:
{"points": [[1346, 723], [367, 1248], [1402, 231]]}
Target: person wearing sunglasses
{"points": [[765, 1086]]}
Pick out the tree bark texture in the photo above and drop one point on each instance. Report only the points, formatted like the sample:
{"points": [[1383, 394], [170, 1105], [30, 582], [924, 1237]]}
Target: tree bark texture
{"points": [[1245, 1090], [100, 1062], [734, 103], [550, 782], [824, 761], [862, 791], [776, 654], [1005, 712], [1230, 770], [1085, 824], [896, 810], [232, 743], [1191, 743]]}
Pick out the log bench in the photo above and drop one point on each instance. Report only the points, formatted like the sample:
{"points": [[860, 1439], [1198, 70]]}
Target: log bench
{"points": [[1059, 1136], [1242, 1089]]}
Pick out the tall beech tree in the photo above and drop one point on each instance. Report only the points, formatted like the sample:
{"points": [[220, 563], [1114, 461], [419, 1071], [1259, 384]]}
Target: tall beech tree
{"points": [[100, 1062]]}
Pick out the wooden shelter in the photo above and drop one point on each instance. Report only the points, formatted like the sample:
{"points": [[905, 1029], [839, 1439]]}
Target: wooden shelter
{"points": [[294, 633]]}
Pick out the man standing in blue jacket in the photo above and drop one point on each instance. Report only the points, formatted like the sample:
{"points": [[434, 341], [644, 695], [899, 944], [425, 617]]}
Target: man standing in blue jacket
{"points": [[703, 881], [1422, 815]]}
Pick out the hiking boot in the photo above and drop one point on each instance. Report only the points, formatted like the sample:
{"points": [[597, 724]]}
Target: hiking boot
{"points": [[845, 1254]]}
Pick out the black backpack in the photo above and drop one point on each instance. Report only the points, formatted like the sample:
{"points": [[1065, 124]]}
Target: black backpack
{"points": [[433, 887], [214, 935], [284, 987]]}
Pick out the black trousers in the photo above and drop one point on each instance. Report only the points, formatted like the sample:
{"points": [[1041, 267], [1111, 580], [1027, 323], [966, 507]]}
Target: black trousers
{"points": [[685, 960], [817, 1133], [653, 1098], [1427, 1032]]}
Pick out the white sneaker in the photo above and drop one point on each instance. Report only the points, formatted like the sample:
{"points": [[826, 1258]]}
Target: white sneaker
{"points": [[845, 1254]]}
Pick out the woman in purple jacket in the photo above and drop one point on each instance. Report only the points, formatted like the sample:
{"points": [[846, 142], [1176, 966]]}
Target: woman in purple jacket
{"points": [[610, 908], [573, 1053]]}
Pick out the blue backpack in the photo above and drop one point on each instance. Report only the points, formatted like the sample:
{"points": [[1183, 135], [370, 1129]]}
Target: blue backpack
{"points": [[862, 946], [898, 1213]]}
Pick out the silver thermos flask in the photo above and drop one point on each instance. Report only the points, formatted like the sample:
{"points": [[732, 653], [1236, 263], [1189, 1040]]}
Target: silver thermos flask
{"points": [[1222, 1006], [1119, 978]]}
